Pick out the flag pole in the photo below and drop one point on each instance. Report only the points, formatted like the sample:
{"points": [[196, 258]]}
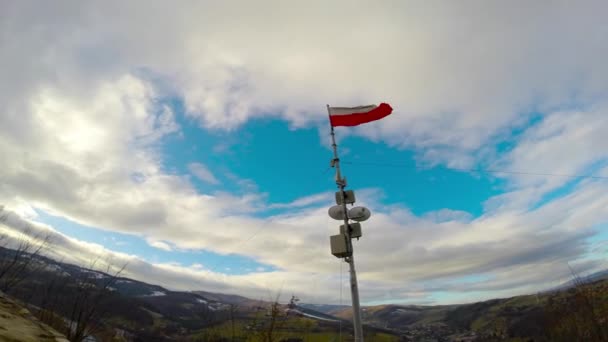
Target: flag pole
{"points": [[354, 289]]}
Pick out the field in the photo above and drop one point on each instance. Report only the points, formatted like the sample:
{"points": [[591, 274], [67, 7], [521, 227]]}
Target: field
{"points": [[258, 328]]}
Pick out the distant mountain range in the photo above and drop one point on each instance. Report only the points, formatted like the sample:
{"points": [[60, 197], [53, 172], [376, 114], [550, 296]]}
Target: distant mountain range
{"points": [[522, 317], [138, 311], [601, 275]]}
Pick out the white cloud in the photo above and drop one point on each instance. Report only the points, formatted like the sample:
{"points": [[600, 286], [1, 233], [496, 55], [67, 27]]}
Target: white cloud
{"points": [[304, 201], [459, 75], [417, 253], [563, 143], [202, 172], [82, 120], [160, 245]]}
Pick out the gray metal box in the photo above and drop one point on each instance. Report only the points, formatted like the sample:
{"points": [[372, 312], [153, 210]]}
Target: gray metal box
{"points": [[339, 247], [355, 230], [349, 197]]}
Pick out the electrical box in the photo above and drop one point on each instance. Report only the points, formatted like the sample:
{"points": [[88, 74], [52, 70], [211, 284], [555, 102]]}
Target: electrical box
{"points": [[355, 230], [339, 247], [348, 198]]}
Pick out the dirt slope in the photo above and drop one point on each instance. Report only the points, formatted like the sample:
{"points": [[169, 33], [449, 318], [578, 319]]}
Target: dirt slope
{"points": [[19, 325]]}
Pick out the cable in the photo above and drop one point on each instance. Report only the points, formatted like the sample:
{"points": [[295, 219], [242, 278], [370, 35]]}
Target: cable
{"points": [[341, 286], [236, 248], [480, 170]]}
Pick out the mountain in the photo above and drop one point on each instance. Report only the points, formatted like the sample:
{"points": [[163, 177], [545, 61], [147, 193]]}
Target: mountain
{"points": [[230, 299], [125, 309], [539, 317], [324, 308], [131, 310], [601, 275]]}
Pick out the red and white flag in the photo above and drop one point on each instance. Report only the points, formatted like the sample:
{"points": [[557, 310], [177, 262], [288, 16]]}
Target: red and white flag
{"points": [[353, 116]]}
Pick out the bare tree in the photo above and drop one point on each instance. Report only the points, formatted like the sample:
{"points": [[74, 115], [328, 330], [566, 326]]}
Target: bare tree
{"points": [[49, 298], [82, 308], [19, 256], [586, 299], [273, 323], [577, 314], [86, 305]]}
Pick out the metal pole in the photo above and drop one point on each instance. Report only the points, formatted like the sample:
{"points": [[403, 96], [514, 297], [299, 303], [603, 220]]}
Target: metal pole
{"points": [[354, 289]]}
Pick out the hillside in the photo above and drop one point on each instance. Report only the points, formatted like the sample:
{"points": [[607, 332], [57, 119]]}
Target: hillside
{"points": [[131, 310], [19, 325], [123, 309], [550, 316]]}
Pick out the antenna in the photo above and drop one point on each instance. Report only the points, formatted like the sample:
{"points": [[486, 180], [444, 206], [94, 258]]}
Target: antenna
{"points": [[341, 244]]}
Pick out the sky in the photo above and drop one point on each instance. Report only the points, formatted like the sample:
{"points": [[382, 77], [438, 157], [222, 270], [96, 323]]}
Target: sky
{"points": [[190, 141]]}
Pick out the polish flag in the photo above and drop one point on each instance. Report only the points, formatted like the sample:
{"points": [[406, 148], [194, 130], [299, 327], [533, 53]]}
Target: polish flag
{"points": [[353, 116]]}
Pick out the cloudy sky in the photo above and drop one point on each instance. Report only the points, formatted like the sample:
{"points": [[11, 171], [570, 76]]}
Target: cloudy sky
{"points": [[190, 139]]}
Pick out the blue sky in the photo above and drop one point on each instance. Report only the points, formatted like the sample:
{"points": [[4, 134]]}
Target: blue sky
{"points": [[197, 151], [285, 164]]}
